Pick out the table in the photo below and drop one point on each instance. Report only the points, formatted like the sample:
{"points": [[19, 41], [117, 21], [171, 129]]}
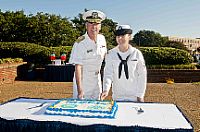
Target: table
{"points": [[15, 116], [59, 73]]}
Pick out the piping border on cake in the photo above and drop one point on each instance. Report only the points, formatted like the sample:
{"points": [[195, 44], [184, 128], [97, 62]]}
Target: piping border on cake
{"points": [[71, 112]]}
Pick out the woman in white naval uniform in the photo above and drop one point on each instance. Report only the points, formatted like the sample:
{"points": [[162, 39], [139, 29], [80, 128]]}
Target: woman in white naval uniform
{"points": [[125, 69], [87, 54]]}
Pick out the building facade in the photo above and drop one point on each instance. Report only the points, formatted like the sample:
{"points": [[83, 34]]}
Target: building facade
{"points": [[191, 44]]}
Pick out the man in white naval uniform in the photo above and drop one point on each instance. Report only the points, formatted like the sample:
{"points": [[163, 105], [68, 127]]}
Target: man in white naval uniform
{"points": [[87, 55], [125, 69]]}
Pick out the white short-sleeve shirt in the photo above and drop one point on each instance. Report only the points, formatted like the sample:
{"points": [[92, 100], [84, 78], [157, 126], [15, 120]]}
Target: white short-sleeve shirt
{"points": [[90, 55]]}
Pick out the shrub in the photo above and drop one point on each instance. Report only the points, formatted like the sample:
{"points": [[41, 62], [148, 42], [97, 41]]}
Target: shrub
{"points": [[37, 54], [165, 56], [29, 52], [10, 60], [182, 66], [32, 53]]}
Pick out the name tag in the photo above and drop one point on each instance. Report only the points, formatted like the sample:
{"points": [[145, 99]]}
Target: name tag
{"points": [[91, 50], [134, 60]]}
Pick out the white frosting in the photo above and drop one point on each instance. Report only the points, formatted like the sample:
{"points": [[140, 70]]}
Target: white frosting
{"points": [[85, 108]]}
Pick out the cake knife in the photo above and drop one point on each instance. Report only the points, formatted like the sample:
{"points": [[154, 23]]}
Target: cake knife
{"points": [[40, 105]]}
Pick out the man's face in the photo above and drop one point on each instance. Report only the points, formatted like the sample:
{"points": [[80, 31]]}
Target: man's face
{"points": [[93, 28], [123, 39]]}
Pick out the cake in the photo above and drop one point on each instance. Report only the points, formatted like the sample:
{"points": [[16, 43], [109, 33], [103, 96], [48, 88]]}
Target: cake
{"points": [[83, 108]]}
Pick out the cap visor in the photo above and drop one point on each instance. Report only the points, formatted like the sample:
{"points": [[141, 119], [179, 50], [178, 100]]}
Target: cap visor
{"points": [[123, 32], [94, 20]]}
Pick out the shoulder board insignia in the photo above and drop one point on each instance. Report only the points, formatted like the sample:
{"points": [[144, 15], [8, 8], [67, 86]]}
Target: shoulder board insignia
{"points": [[108, 52], [81, 38]]}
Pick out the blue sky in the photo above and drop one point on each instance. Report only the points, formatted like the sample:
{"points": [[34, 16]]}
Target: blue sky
{"points": [[168, 17]]}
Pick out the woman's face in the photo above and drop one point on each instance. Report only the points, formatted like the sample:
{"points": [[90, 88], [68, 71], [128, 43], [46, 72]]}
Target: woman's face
{"points": [[93, 28], [123, 39]]}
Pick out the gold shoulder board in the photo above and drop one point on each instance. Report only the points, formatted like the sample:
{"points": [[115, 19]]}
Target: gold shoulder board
{"points": [[81, 38]]}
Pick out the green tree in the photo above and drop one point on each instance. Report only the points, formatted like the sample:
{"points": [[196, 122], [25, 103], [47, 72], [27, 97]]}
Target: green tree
{"points": [[51, 30], [149, 39], [12, 26], [79, 23], [48, 29], [108, 30], [43, 29]]}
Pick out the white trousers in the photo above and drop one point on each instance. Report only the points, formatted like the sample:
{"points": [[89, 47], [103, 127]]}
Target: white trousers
{"points": [[91, 85]]}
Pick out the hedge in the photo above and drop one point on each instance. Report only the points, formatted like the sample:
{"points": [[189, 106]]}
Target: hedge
{"points": [[30, 52], [40, 55], [179, 66], [165, 56], [10, 60]]}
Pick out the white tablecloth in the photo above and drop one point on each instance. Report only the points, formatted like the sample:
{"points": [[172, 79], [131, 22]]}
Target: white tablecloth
{"points": [[155, 115]]}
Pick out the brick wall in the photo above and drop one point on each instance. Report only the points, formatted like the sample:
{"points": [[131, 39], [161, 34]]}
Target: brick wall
{"points": [[8, 72], [179, 76]]}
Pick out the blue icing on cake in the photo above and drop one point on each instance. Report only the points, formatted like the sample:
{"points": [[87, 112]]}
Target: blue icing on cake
{"points": [[83, 108]]}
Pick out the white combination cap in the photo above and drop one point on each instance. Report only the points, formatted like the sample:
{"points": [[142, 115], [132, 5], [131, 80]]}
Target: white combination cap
{"points": [[123, 29], [120, 27], [94, 16]]}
